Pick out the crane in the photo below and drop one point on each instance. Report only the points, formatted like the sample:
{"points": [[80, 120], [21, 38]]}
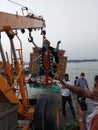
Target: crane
{"points": [[9, 23]]}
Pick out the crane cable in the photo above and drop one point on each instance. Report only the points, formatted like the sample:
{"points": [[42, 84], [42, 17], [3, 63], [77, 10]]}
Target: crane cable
{"points": [[24, 7]]}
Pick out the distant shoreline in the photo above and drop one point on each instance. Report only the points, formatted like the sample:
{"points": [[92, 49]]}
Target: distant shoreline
{"points": [[84, 60]]}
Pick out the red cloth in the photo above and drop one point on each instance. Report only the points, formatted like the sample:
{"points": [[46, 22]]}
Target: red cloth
{"points": [[94, 125]]}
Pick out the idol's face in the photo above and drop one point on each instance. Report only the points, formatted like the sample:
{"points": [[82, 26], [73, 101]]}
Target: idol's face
{"points": [[46, 46]]}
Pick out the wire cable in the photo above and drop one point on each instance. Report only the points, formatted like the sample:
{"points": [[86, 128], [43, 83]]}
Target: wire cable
{"points": [[23, 7]]}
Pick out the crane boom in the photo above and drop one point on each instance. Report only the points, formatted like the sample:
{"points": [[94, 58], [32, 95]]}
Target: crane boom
{"points": [[16, 21]]}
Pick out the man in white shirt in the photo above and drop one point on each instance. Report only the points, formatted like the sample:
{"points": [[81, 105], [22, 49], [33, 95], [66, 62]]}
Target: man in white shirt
{"points": [[66, 96]]}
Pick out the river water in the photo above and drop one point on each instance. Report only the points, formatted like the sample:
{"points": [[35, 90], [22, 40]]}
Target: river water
{"points": [[89, 68]]}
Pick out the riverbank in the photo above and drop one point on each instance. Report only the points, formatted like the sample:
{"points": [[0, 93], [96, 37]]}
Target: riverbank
{"points": [[83, 60]]}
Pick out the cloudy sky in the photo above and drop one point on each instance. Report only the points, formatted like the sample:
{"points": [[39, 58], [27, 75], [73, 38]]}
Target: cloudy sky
{"points": [[74, 22]]}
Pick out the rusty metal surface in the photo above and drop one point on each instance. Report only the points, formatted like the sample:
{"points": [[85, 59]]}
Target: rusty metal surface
{"points": [[20, 22]]}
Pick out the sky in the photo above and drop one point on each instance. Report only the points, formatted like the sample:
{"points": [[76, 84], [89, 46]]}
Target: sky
{"points": [[74, 22]]}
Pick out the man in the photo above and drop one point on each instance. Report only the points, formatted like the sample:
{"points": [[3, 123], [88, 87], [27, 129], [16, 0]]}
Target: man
{"points": [[75, 81], [82, 105], [66, 96], [82, 82], [92, 119]]}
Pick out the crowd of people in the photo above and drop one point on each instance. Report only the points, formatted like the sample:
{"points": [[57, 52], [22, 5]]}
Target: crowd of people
{"points": [[82, 90]]}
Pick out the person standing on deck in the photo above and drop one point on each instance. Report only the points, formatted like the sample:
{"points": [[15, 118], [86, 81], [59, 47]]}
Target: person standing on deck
{"points": [[75, 81], [66, 96], [82, 83]]}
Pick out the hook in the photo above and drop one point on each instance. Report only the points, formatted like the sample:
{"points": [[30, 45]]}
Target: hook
{"points": [[30, 39]]}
